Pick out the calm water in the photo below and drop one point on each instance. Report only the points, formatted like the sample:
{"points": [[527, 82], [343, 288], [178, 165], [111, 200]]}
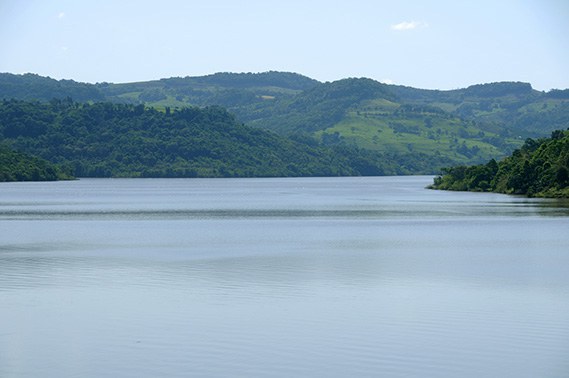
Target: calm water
{"points": [[318, 277]]}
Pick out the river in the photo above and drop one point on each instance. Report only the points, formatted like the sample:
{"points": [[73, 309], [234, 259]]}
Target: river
{"points": [[280, 277]]}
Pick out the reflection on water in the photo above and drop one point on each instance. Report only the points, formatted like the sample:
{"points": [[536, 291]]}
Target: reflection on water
{"points": [[280, 277]]}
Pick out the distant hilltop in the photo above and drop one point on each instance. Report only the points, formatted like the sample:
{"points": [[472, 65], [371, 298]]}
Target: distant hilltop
{"points": [[31, 86]]}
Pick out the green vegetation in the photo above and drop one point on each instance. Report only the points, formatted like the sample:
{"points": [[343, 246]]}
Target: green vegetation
{"points": [[16, 166], [35, 87], [540, 168], [509, 109], [416, 127], [230, 90], [321, 106], [371, 115], [121, 140]]}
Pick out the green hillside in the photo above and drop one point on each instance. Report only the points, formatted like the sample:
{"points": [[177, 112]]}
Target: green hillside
{"points": [[35, 87], [509, 108], [16, 166], [371, 115], [462, 126], [319, 107], [123, 140], [539, 168], [230, 90]]}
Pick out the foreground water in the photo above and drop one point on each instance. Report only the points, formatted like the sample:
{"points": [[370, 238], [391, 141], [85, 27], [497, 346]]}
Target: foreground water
{"points": [[328, 277]]}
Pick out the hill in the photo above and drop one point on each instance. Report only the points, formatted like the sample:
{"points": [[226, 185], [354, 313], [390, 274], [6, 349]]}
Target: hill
{"points": [[538, 168], [16, 166], [123, 140], [230, 90], [462, 126], [371, 115], [35, 87], [510, 108]]}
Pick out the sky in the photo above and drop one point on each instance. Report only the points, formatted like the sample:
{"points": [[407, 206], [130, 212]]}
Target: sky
{"points": [[439, 44]]}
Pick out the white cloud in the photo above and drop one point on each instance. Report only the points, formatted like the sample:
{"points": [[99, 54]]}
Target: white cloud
{"points": [[409, 25], [61, 15], [387, 81]]}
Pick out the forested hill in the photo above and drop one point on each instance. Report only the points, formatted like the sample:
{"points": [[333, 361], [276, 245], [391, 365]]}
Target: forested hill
{"points": [[320, 107], [223, 89], [16, 166], [539, 168], [120, 140], [508, 107], [462, 127], [35, 87]]}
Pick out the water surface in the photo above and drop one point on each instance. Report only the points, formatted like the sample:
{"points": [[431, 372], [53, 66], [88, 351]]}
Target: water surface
{"points": [[280, 277]]}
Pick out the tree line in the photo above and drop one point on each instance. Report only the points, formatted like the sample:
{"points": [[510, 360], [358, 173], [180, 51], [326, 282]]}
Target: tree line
{"points": [[539, 168], [122, 140], [16, 166]]}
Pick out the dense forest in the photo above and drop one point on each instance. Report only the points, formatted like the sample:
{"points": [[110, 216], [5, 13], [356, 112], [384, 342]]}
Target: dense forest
{"points": [[122, 140], [16, 166], [539, 168], [359, 125], [36, 87], [319, 107], [463, 126]]}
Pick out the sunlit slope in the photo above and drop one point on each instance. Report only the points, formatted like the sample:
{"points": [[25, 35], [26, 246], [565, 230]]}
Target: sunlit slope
{"points": [[462, 126], [371, 115], [386, 126]]}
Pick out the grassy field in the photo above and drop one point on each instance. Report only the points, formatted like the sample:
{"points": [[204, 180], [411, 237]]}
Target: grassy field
{"points": [[377, 126]]}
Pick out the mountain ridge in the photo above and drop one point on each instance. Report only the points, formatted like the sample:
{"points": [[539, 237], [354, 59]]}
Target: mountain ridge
{"points": [[288, 73]]}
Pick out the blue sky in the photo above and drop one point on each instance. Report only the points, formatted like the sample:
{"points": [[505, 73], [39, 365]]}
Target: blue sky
{"points": [[424, 44]]}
